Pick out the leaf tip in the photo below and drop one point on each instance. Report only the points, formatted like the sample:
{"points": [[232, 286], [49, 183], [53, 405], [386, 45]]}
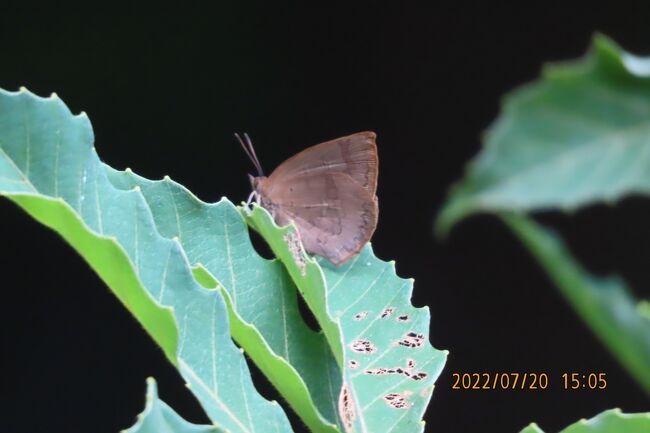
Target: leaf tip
{"points": [[128, 170], [22, 89], [54, 96]]}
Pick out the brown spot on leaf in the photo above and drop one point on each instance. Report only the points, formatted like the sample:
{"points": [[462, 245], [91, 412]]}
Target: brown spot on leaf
{"points": [[360, 316], [292, 239], [346, 408]]}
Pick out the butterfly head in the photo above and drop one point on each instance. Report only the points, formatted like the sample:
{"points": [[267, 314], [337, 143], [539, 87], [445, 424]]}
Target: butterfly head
{"points": [[256, 182]]}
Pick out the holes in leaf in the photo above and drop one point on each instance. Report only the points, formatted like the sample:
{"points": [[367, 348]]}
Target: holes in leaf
{"points": [[398, 401], [407, 371], [363, 346], [412, 340]]}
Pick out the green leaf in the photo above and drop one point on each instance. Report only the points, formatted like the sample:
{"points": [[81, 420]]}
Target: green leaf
{"points": [[379, 339], [606, 305], [579, 135], [157, 417], [49, 167], [610, 421], [261, 298]]}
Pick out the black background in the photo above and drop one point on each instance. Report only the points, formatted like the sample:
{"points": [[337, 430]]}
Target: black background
{"points": [[166, 88]]}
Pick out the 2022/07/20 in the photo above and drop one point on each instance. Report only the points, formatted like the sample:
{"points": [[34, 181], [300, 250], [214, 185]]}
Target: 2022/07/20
{"points": [[526, 381]]}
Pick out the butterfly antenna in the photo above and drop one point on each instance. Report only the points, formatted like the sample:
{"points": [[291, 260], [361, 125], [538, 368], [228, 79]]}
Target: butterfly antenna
{"points": [[256, 161], [248, 153]]}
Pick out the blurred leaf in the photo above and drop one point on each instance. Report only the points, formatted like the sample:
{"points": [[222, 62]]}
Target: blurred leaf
{"points": [[610, 421], [157, 417], [604, 304], [49, 167], [380, 340], [579, 135]]}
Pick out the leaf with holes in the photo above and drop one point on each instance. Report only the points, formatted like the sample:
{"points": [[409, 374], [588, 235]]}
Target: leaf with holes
{"points": [[157, 417], [609, 421], [580, 135], [48, 166], [379, 339]]}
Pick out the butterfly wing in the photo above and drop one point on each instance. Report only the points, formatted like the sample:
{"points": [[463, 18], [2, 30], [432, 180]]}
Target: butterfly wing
{"points": [[335, 215], [355, 155]]}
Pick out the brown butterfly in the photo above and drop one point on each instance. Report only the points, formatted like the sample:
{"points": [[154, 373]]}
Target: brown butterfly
{"points": [[327, 190]]}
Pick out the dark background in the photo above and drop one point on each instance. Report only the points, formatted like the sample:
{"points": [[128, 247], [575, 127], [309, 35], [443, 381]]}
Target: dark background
{"points": [[166, 88]]}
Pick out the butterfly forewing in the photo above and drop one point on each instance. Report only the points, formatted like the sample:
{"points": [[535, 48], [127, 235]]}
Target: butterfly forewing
{"points": [[335, 215], [355, 155]]}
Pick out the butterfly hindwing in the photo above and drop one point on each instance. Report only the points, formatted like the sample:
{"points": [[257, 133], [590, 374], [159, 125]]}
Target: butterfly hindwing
{"points": [[334, 214]]}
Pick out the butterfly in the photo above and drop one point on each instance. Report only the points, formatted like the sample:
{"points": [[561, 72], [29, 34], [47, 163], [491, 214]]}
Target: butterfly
{"points": [[327, 190]]}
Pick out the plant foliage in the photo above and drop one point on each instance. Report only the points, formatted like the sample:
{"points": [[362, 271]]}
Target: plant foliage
{"points": [[188, 272]]}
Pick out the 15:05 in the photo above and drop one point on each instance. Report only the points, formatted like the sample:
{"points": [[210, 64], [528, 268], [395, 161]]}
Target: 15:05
{"points": [[584, 381]]}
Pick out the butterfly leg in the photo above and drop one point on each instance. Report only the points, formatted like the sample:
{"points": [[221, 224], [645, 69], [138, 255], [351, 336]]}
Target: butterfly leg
{"points": [[249, 201], [254, 196]]}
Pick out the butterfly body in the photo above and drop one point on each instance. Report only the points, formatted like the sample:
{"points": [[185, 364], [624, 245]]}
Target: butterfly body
{"points": [[328, 191]]}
